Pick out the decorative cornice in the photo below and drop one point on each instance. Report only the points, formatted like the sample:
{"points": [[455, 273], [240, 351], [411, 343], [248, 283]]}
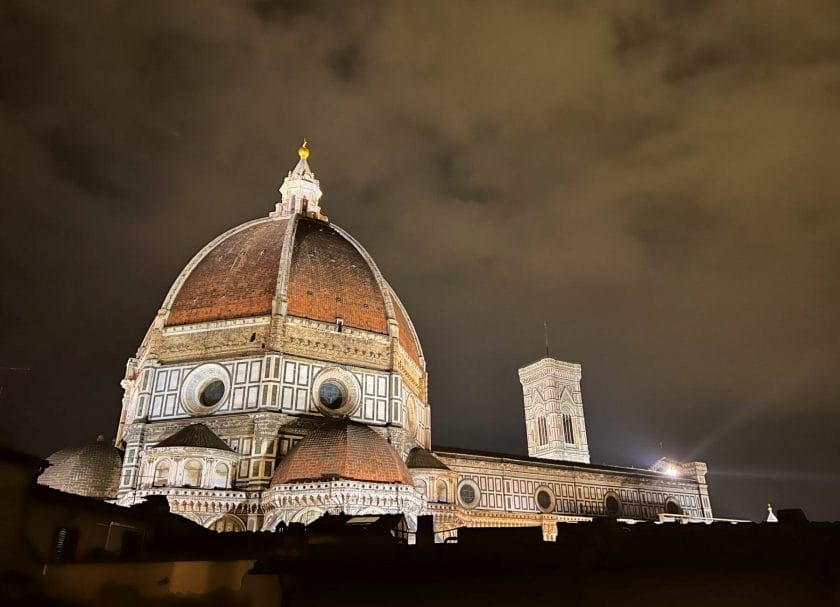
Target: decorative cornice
{"points": [[216, 325]]}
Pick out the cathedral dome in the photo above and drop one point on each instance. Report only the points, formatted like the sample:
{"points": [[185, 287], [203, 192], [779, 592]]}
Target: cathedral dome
{"points": [[294, 263], [92, 470], [342, 450]]}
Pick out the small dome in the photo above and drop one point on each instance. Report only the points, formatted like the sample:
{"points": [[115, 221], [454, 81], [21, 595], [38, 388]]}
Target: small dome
{"points": [[342, 450], [195, 435], [92, 470], [423, 458]]}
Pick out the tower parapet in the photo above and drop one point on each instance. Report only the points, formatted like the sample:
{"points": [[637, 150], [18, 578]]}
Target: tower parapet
{"points": [[554, 420]]}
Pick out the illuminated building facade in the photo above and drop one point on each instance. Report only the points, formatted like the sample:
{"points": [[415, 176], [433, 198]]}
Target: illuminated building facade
{"points": [[282, 378]]}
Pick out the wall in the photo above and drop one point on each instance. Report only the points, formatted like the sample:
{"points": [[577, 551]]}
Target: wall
{"points": [[110, 583]]}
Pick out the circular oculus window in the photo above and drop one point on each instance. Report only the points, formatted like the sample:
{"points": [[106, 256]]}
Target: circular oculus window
{"points": [[336, 392], [545, 499], [205, 389], [468, 494], [331, 394], [212, 394]]}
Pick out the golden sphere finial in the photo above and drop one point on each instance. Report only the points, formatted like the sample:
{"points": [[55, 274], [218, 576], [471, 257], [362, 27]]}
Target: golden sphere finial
{"points": [[303, 151]]}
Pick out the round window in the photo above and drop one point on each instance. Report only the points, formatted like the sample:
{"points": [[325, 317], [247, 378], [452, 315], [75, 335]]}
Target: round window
{"points": [[468, 494], [544, 499], [331, 394], [336, 392], [212, 394], [612, 505], [205, 389]]}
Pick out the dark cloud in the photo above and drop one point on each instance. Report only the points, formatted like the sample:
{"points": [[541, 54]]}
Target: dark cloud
{"points": [[657, 179]]}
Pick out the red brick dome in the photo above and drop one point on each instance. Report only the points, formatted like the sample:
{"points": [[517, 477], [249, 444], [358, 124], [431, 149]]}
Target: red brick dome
{"points": [[92, 470], [342, 450], [318, 269]]}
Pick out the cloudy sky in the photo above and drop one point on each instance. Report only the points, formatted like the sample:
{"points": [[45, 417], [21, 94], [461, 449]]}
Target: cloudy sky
{"points": [[657, 180]]}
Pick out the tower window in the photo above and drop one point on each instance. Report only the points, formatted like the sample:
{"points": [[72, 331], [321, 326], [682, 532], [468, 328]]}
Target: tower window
{"points": [[339, 323], [568, 429], [542, 431]]}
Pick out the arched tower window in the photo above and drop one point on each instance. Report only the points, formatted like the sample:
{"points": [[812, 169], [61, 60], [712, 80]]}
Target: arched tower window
{"points": [[220, 476], [161, 474], [542, 431], [192, 473], [568, 429]]}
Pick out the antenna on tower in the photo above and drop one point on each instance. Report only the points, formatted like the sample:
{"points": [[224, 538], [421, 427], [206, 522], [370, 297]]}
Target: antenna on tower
{"points": [[545, 330]]}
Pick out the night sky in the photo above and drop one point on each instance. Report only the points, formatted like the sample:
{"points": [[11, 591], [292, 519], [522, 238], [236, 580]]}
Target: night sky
{"points": [[657, 180]]}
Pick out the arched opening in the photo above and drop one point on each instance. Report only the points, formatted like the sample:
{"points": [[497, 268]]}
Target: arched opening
{"points": [[420, 485], [612, 506], [228, 523], [306, 515], [568, 429], [192, 473], [220, 476], [542, 431], [672, 507], [442, 492], [161, 477]]}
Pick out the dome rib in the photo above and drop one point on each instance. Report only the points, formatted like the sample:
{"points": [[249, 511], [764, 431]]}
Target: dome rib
{"points": [[408, 336], [236, 278], [329, 278]]}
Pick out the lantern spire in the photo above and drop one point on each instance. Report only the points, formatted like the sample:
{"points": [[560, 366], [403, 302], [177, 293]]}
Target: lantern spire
{"points": [[301, 191]]}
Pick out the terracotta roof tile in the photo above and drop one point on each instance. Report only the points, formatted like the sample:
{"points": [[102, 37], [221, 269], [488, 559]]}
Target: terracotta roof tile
{"points": [[342, 450], [92, 470], [195, 435], [423, 458], [329, 278], [237, 279]]}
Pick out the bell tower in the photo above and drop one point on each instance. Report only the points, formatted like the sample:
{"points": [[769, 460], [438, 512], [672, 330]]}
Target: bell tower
{"points": [[554, 420]]}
